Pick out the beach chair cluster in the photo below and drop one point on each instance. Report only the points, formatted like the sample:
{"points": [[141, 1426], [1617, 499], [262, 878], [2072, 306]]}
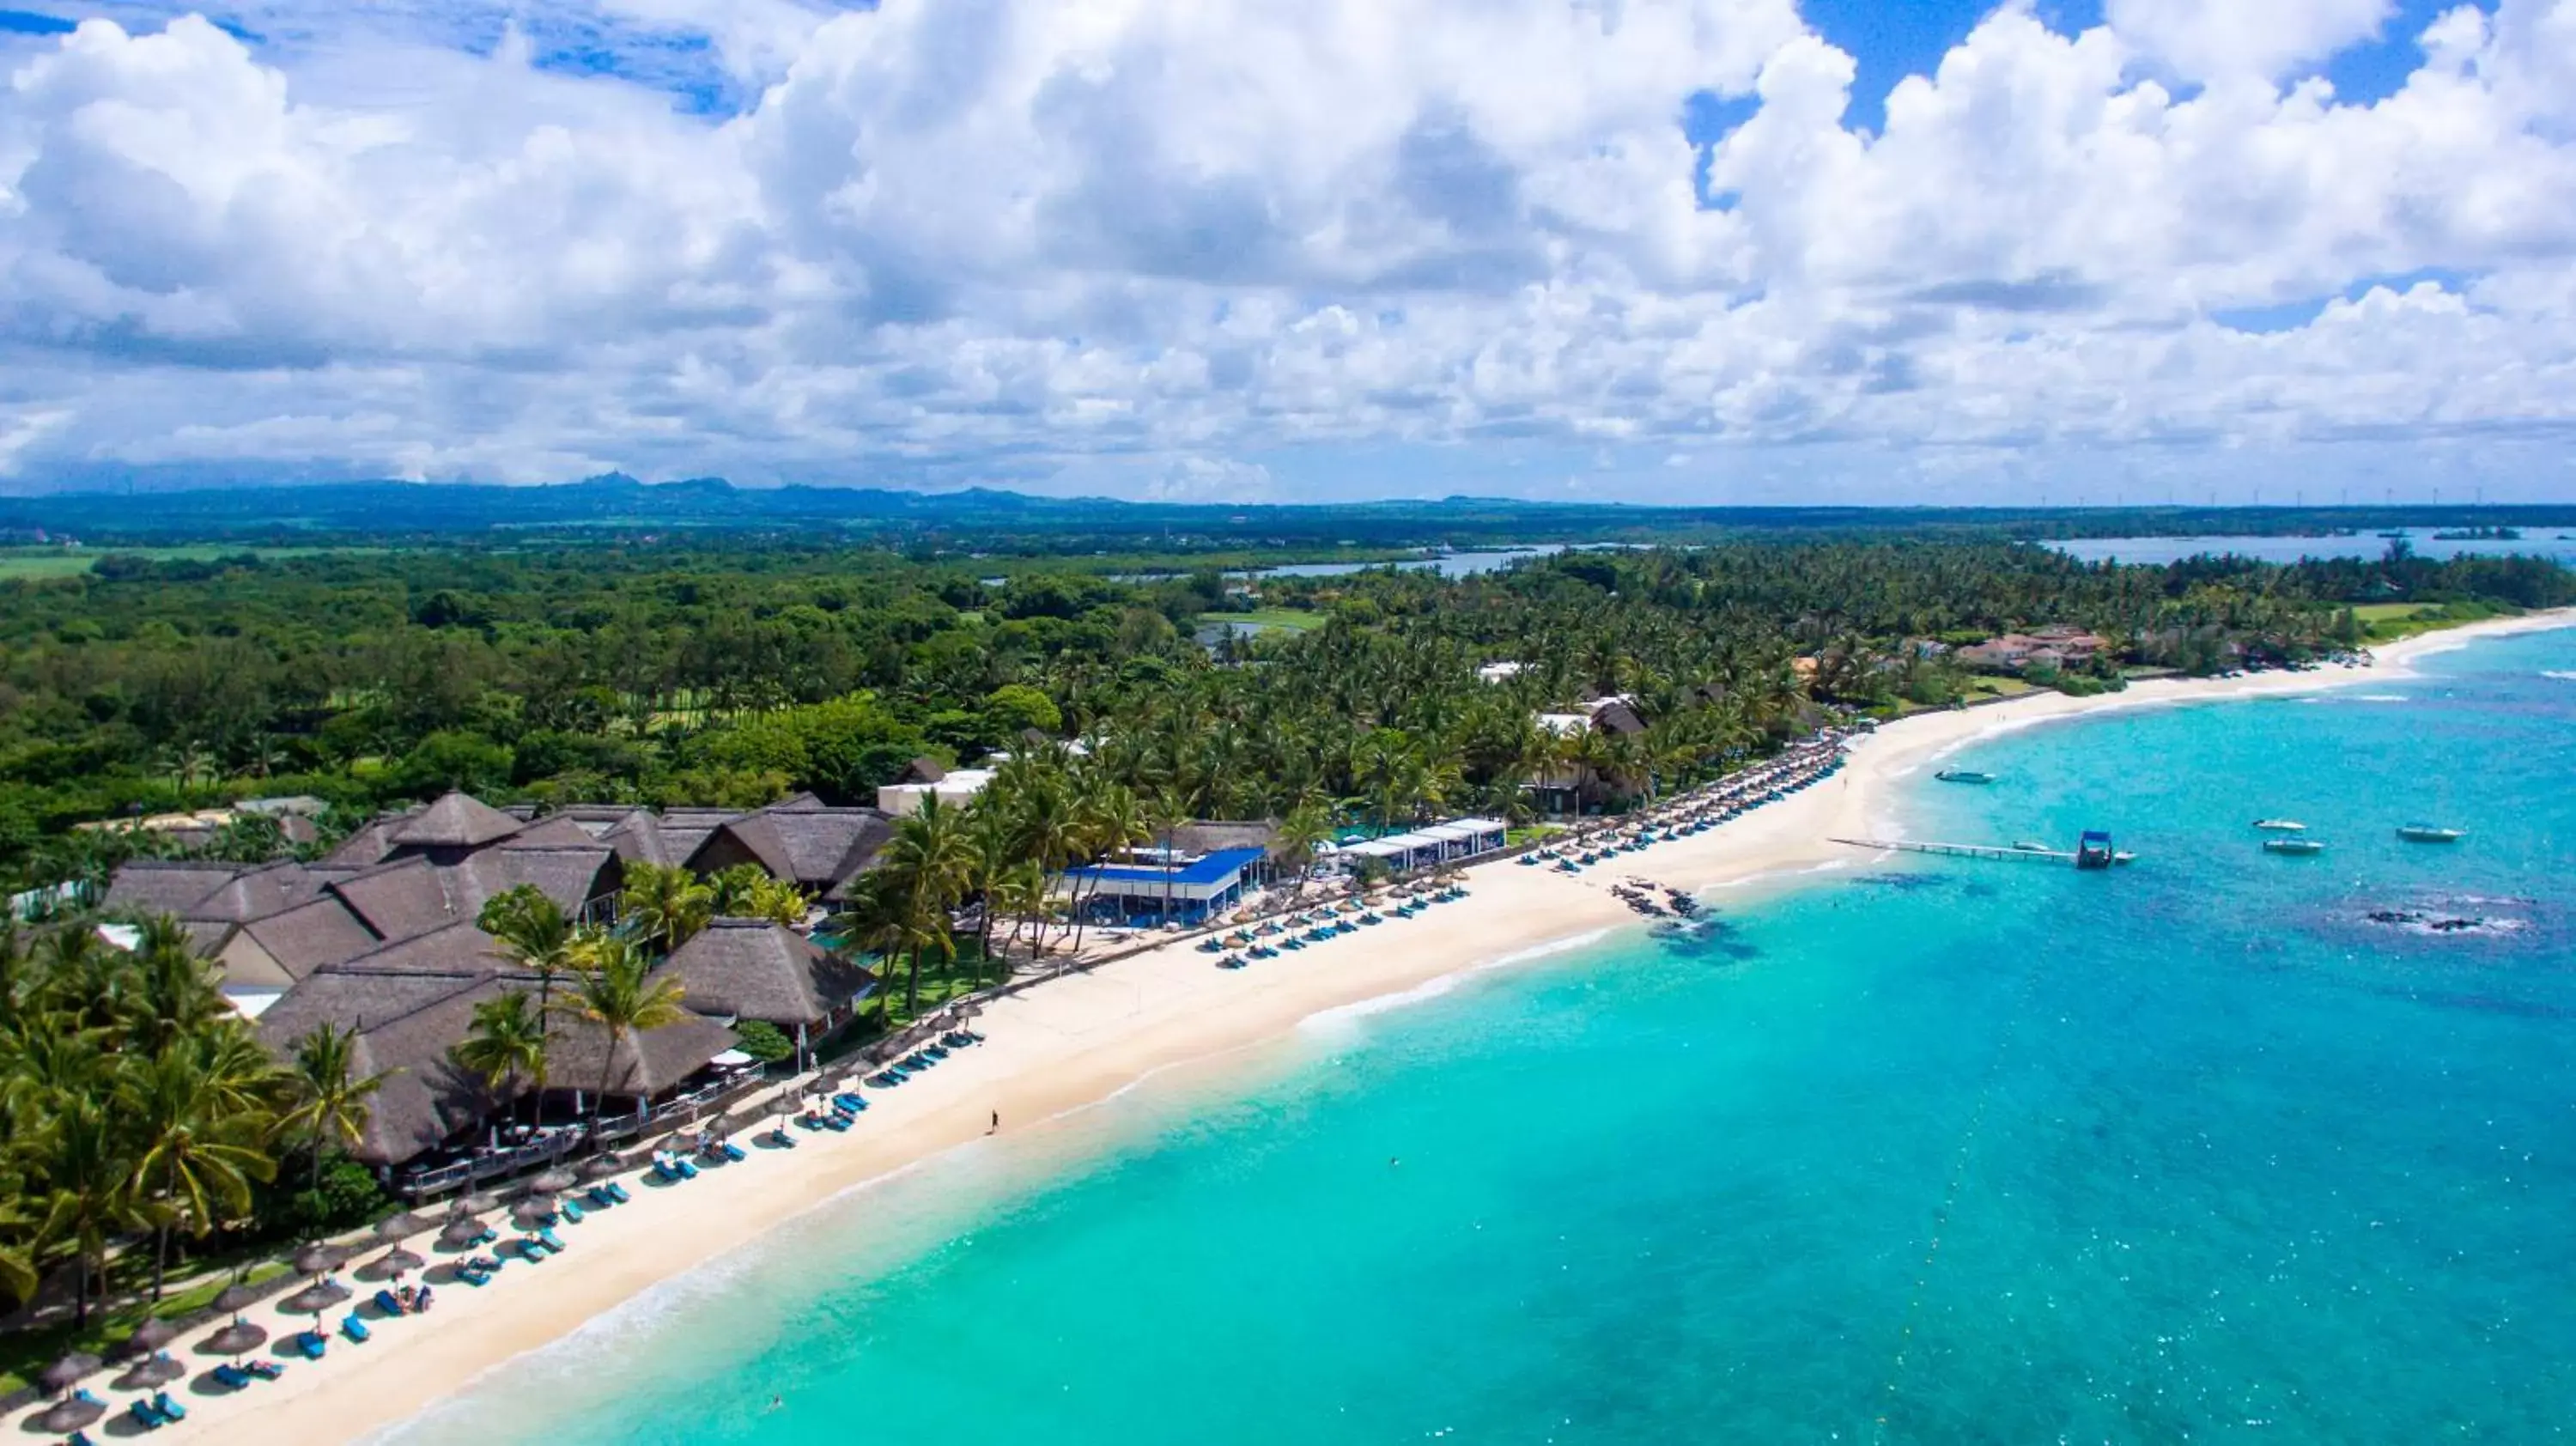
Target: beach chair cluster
{"points": [[155, 1411], [243, 1375], [1327, 922], [1697, 812], [926, 1057]]}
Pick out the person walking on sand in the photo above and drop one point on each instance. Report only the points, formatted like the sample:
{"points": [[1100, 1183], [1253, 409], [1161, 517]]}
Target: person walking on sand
{"points": [[997, 1123]]}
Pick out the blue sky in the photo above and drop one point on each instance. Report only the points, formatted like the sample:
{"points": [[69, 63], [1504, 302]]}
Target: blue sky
{"points": [[1245, 248]]}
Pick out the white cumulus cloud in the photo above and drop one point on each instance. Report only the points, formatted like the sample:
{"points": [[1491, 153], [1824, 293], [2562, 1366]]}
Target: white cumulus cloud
{"points": [[1186, 250]]}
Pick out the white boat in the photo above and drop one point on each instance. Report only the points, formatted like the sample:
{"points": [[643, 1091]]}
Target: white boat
{"points": [[2280, 825], [2430, 833], [2300, 846]]}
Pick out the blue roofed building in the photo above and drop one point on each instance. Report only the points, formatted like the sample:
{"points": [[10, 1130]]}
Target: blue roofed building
{"points": [[1192, 889]]}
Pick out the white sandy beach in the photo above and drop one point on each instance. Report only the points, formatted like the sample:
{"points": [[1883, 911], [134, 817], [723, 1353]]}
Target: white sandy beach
{"points": [[1074, 1041]]}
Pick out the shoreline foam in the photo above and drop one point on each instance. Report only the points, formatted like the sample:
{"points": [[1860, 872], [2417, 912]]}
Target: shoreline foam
{"points": [[1058, 1050]]}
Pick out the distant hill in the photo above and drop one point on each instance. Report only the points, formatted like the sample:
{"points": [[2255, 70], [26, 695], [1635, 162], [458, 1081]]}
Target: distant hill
{"points": [[620, 506]]}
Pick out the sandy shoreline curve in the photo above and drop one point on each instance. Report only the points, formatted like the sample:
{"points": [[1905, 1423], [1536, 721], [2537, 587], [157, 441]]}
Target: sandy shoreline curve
{"points": [[1058, 1048]]}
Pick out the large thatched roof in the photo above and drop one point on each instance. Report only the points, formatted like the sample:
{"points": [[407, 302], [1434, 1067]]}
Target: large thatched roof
{"points": [[754, 969]]}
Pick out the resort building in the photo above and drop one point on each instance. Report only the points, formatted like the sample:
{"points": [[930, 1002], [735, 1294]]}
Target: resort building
{"points": [[1434, 844], [955, 787], [380, 938], [2057, 646], [1154, 887], [738, 969], [1565, 786], [1498, 672]]}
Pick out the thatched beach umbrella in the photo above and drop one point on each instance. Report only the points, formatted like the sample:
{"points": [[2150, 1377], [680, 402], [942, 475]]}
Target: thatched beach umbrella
{"points": [[314, 1299], [403, 1226], [150, 1372], [238, 1339], [64, 1417], [787, 1104], [553, 1182], [320, 1258], [478, 1203], [461, 1232], [153, 1334], [66, 1373], [238, 1297], [393, 1265], [600, 1167], [530, 1214]]}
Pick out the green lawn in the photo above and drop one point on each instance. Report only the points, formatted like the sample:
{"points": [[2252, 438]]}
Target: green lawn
{"points": [[1293, 620], [2387, 622], [23, 1354]]}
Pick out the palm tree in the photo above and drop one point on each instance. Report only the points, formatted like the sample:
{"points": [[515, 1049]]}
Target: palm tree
{"points": [[930, 861], [172, 988], [88, 1175], [666, 904], [199, 1150], [534, 931], [330, 1100], [876, 921], [619, 993], [17, 1255], [1301, 833], [508, 1043]]}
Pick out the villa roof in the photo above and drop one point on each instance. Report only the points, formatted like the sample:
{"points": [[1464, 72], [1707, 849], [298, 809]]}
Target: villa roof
{"points": [[259, 892], [368, 846], [817, 848], [571, 875], [756, 969], [456, 821], [640, 839], [310, 935], [164, 886], [553, 831], [405, 1022], [1617, 716], [647, 1064], [461, 948], [922, 770], [410, 897]]}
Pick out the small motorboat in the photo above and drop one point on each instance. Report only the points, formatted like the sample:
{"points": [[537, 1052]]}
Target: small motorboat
{"points": [[1963, 775], [2280, 825], [2430, 833], [2298, 847], [2031, 846]]}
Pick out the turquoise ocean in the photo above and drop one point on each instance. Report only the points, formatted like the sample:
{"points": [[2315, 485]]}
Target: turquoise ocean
{"points": [[1923, 1152]]}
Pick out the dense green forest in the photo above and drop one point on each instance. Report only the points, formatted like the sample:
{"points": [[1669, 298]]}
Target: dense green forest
{"points": [[734, 670]]}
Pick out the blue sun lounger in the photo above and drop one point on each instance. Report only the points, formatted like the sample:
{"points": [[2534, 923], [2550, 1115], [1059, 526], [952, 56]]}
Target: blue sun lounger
{"points": [[144, 1416], [552, 1242], [354, 1328], [309, 1344], [231, 1377]]}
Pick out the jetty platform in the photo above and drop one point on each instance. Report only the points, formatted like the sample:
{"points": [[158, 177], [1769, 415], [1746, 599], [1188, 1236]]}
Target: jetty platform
{"points": [[1965, 851]]}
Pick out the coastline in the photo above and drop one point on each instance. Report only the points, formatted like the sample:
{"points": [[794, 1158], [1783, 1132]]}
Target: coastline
{"points": [[1060, 1048]]}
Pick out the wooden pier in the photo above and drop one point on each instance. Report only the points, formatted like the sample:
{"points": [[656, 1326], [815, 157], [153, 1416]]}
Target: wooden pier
{"points": [[1962, 851]]}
